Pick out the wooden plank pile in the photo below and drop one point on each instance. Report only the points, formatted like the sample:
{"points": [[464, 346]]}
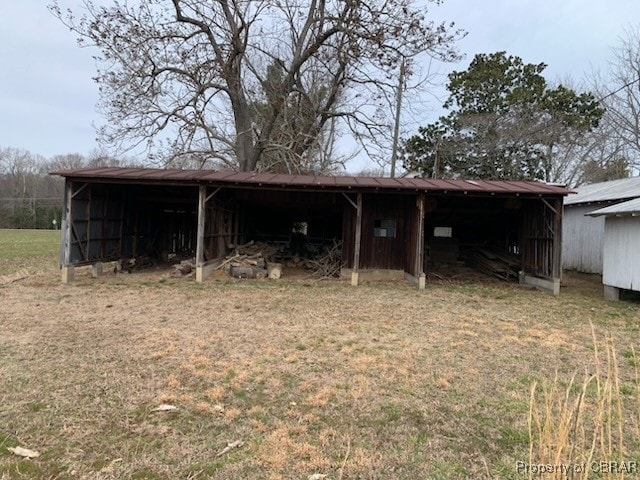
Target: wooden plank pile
{"points": [[492, 261]]}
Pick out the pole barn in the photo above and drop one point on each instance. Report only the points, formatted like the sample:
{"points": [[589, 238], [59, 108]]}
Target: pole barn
{"points": [[388, 227]]}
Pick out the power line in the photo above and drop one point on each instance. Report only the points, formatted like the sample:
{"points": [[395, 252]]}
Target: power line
{"points": [[4, 199], [626, 85]]}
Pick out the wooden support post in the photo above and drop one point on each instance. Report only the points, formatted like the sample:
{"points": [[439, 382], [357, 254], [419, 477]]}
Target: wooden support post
{"points": [[557, 240], [356, 253], [134, 242], [202, 203], [419, 268], [236, 225], [65, 233], [87, 250], [121, 226], [105, 220], [68, 274]]}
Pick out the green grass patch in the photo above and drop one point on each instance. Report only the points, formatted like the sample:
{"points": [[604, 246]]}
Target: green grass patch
{"points": [[7, 441], [631, 357], [31, 250]]}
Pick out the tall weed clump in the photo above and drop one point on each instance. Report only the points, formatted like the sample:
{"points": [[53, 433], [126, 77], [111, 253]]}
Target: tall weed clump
{"points": [[588, 427]]}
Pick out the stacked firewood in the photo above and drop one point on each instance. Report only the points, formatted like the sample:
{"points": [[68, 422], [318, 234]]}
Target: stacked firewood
{"points": [[248, 260], [262, 260], [255, 249]]}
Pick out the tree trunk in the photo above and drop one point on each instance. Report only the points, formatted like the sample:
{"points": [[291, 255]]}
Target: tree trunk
{"points": [[247, 152]]}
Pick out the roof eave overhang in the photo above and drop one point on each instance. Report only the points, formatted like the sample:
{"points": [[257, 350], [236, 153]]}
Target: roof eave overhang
{"points": [[613, 214], [308, 188]]}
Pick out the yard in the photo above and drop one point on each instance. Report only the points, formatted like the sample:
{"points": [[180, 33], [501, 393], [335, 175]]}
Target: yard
{"points": [[301, 377]]}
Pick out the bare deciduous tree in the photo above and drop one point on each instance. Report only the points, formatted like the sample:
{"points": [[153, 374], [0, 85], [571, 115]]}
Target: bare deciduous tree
{"points": [[24, 183], [620, 92], [182, 75], [20, 170], [598, 156], [67, 161]]}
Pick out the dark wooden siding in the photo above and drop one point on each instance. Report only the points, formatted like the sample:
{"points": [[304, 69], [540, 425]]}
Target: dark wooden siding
{"points": [[412, 236], [220, 231], [378, 252], [159, 221], [542, 237]]}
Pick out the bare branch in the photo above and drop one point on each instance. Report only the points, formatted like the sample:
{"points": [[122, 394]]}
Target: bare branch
{"points": [[185, 77]]}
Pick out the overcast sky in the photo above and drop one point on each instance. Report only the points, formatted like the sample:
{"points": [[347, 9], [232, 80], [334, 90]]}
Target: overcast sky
{"points": [[47, 96]]}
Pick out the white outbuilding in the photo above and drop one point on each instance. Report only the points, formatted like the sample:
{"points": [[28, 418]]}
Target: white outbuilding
{"points": [[621, 252], [583, 235]]}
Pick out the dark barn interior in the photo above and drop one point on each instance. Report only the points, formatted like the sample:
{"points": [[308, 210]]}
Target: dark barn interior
{"points": [[293, 218], [514, 232], [114, 221], [455, 225]]}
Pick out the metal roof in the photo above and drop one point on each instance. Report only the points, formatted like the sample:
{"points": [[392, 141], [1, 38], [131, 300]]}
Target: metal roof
{"points": [[154, 175], [630, 207], [622, 189]]}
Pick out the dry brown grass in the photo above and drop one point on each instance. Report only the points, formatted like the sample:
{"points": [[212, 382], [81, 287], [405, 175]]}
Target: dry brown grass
{"points": [[581, 424], [379, 381]]}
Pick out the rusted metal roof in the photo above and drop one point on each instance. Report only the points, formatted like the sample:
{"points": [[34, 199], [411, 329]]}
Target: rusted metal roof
{"points": [[154, 175]]}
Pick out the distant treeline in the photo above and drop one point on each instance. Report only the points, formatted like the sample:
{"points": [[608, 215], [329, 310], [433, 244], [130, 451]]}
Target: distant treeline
{"points": [[29, 196]]}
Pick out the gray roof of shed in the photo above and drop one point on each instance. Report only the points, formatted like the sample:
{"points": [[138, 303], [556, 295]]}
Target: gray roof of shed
{"points": [[154, 175], [622, 189], [630, 207]]}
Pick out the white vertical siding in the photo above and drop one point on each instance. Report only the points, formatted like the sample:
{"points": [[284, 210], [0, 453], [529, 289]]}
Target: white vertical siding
{"points": [[582, 239], [622, 253]]}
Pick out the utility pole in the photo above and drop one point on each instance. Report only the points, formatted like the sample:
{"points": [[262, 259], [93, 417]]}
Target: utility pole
{"points": [[436, 160], [396, 127]]}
